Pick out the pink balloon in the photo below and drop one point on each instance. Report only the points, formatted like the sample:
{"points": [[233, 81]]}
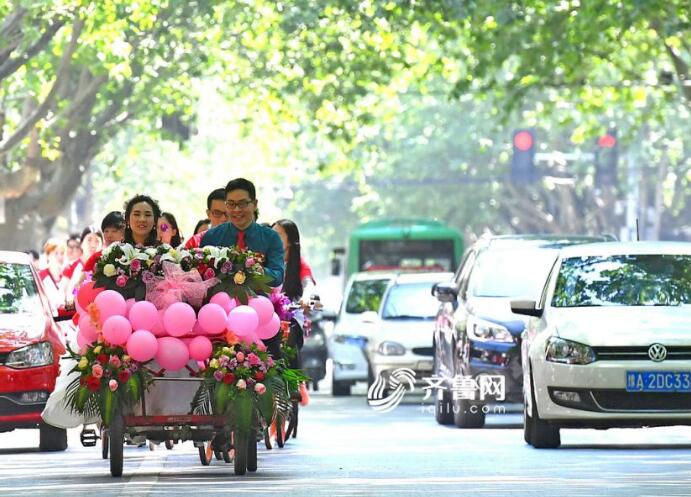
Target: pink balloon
{"points": [[200, 348], [82, 341], [86, 328], [142, 345], [178, 319], [197, 329], [252, 338], [172, 353], [117, 329], [270, 329], [130, 303], [212, 319], [232, 305], [87, 293], [157, 328], [220, 298], [242, 320], [110, 303], [143, 315], [264, 308], [79, 308]]}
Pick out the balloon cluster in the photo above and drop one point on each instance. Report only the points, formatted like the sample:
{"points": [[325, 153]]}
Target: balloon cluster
{"points": [[174, 335]]}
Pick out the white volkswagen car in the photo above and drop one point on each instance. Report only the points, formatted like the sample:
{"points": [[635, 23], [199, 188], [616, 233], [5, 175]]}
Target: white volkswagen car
{"points": [[609, 341]]}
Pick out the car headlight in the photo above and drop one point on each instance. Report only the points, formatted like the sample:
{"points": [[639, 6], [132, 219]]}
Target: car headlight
{"points": [[31, 356], [568, 352], [391, 348], [486, 331], [317, 339]]}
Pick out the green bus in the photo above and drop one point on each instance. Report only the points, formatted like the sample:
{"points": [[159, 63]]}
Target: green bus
{"points": [[389, 244]]}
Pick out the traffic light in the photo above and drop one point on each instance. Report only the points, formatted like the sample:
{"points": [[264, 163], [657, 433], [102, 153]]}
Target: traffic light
{"points": [[606, 157], [523, 159]]}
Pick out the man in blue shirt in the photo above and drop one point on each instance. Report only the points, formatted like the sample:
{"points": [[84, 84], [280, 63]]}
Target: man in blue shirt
{"points": [[242, 230]]}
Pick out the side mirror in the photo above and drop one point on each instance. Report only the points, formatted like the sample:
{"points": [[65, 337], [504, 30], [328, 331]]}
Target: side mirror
{"points": [[445, 292], [526, 308], [65, 313]]}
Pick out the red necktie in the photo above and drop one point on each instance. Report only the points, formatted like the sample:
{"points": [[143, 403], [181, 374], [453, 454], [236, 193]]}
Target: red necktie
{"points": [[241, 240]]}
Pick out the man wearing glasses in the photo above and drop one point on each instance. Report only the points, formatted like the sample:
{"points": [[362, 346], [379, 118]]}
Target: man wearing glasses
{"points": [[243, 231], [215, 212]]}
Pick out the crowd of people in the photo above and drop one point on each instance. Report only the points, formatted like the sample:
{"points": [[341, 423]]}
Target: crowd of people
{"points": [[231, 219]]}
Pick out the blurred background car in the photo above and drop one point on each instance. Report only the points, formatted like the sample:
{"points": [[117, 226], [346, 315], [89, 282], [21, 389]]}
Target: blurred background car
{"points": [[477, 337], [609, 343], [401, 335], [362, 299], [30, 348], [314, 352]]}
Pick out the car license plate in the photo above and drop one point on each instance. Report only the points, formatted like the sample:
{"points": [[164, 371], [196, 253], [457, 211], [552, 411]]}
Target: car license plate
{"points": [[658, 381]]}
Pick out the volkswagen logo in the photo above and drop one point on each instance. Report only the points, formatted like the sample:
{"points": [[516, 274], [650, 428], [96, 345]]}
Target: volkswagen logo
{"points": [[657, 352]]}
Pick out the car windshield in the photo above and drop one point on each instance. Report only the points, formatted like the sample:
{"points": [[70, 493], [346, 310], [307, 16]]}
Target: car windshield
{"points": [[365, 295], [631, 280], [410, 301], [511, 273], [18, 292]]}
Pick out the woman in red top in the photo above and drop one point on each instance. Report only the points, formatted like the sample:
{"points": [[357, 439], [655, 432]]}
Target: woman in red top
{"points": [[52, 274]]}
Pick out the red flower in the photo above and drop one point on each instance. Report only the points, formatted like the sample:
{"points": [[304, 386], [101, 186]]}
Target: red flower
{"points": [[259, 376], [93, 383], [102, 358], [201, 268], [82, 381], [123, 376], [228, 378]]}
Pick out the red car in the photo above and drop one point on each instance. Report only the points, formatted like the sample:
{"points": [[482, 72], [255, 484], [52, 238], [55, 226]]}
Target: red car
{"points": [[30, 348]]}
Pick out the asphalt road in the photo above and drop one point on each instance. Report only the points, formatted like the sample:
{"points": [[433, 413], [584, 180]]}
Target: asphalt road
{"points": [[344, 448]]}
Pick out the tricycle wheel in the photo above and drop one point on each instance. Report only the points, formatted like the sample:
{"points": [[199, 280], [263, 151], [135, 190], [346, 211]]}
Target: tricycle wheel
{"points": [[293, 422], [169, 444], [252, 451], [205, 452], [116, 439], [240, 443], [104, 443]]}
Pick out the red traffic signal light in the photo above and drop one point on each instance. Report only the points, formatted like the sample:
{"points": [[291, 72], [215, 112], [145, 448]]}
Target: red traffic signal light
{"points": [[523, 140], [607, 141]]}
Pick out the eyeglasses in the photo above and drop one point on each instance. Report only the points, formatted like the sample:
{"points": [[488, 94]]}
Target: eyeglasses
{"points": [[217, 213], [242, 204]]}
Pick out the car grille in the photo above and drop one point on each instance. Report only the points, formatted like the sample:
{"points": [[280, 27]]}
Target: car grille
{"points": [[621, 400], [423, 351], [679, 353], [3, 357]]}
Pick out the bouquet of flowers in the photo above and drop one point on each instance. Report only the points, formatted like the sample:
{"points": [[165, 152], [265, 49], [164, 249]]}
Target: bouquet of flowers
{"points": [[240, 271], [128, 269], [241, 381], [108, 379]]}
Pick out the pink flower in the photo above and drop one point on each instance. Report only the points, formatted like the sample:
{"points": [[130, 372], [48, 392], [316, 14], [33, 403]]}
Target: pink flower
{"points": [[135, 265], [240, 356], [253, 359], [260, 388], [97, 371], [241, 384], [218, 375], [121, 280], [113, 385], [249, 263], [115, 361], [209, 273]]}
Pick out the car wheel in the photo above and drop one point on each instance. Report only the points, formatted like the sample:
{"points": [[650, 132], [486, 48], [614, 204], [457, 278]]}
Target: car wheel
{"points": [[527, 426], [542, 434], [467, 414], [443, 408], [340, 388], [52, 439]]}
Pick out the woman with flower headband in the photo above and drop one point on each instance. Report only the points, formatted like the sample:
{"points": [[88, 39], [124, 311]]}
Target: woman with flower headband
{"points": [[141, 218]]}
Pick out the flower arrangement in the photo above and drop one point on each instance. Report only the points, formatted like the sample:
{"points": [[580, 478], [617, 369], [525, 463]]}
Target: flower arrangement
{"points": [[108, 379], [128, 269], [242, 381]]}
